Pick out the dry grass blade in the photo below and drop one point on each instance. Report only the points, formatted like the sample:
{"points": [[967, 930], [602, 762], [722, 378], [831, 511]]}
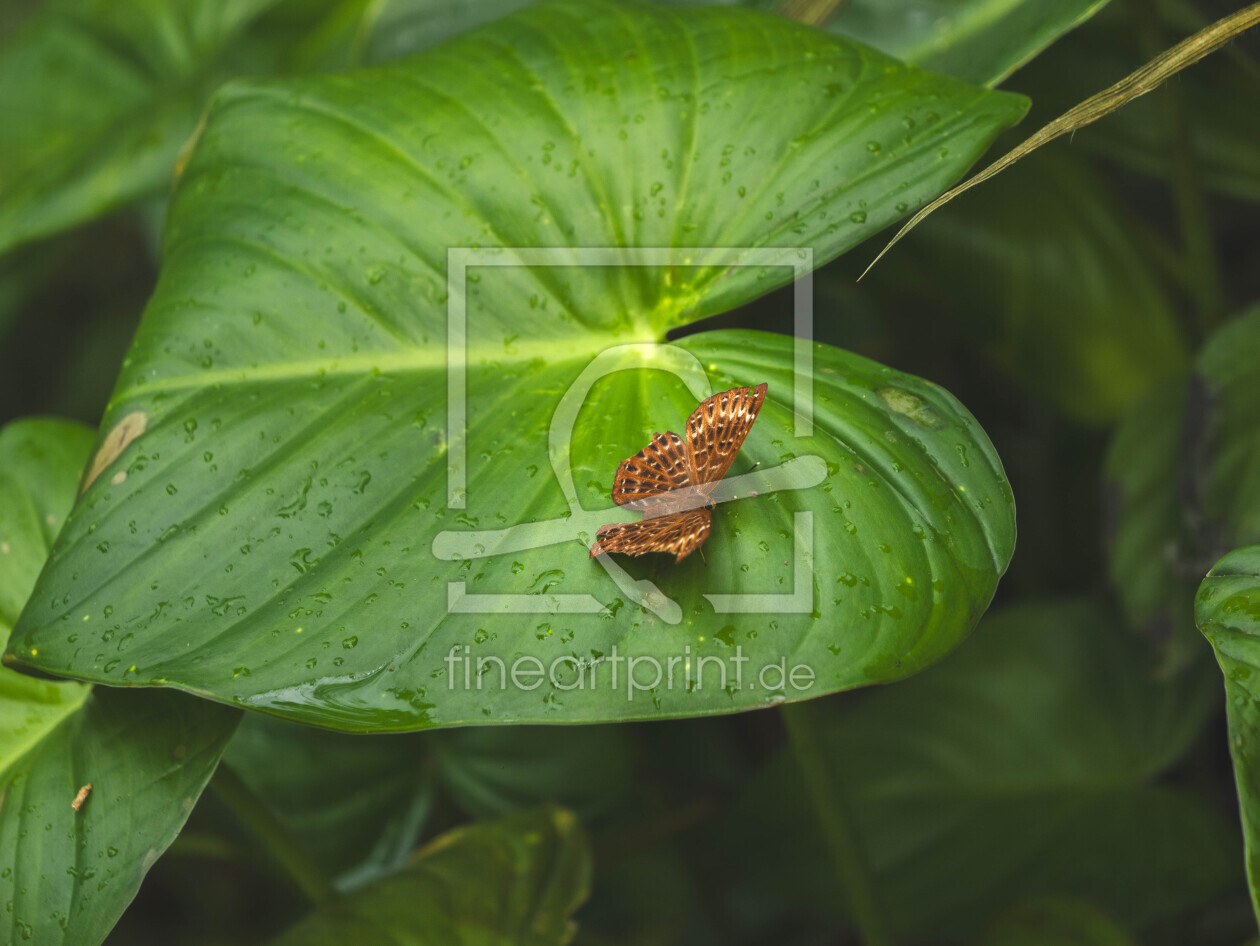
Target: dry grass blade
{"points": [[1146, 79]]}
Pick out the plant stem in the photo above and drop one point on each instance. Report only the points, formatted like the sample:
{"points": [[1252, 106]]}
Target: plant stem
{"points": [[259, 820], [837, 826]]}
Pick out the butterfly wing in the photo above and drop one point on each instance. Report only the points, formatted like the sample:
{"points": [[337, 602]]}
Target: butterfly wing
{"points": [[644, 480], [679, 534], [717, 429], [715, 432]]}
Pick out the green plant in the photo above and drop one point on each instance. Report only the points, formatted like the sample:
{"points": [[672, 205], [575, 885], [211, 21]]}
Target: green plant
{"points": [[409, 305]]}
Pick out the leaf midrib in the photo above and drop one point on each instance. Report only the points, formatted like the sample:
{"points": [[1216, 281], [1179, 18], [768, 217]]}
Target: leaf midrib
{"points": [[431, 358]]}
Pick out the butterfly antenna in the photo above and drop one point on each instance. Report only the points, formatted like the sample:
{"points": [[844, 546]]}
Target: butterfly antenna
{"points": [[700, 549]]}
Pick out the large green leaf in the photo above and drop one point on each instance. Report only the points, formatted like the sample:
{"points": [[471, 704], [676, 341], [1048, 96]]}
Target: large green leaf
{"points": [[514, 881], [1183, 476], [1227, 610], [139, 760], [299, 529], [1043, 269], [978, 40], [1018, 767], [98, 96]]}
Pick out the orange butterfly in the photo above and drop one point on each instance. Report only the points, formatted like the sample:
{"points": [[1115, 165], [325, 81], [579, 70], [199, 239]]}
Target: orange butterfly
{"points": [[645, 481]]}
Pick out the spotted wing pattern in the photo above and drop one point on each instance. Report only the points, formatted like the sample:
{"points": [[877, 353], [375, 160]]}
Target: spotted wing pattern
{"points": [[650, 480], [679, 534], [717, 428], [644, 481]]}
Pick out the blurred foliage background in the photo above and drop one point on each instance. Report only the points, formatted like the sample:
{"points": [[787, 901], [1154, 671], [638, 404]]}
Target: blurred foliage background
{"points": [[1064, 778]]}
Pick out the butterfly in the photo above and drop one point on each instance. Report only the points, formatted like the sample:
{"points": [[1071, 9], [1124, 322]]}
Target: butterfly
{"points": [[670, 479]]}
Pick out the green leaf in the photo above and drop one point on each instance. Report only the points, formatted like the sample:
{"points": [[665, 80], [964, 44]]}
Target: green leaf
{"points": [[290, 531], [1225, 444], [139, 760], [1018, 767], [1147, 533], [99, 95], [355, 804], [1184, 483], [1047, 274], [1227, 610], [402, 27], [147, 757], [982, 41], [40, 463], [1055, 921], [517, 880]]}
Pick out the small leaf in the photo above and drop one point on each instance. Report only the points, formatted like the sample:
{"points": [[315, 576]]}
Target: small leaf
{"points": [[94, 785], [982, 41], [517, 880], [1227, 610], [1184, 484]]}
